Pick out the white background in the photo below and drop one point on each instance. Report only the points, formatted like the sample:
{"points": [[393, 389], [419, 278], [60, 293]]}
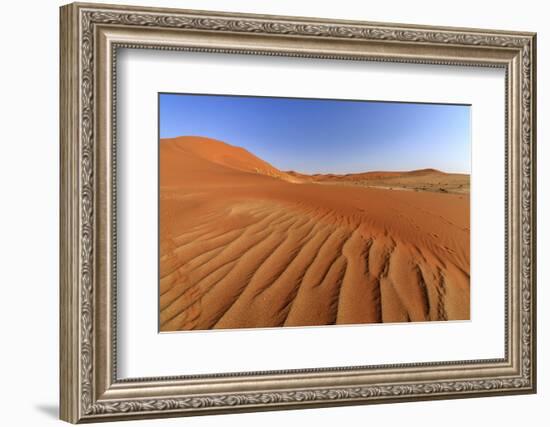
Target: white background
{"points": [[145, 353], [29, 171]]}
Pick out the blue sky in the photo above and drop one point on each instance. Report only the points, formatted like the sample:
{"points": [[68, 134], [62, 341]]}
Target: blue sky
{"points": [[327, 136]]}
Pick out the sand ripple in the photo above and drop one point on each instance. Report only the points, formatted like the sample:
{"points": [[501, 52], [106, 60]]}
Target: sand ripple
{"points": [[243, 249]]}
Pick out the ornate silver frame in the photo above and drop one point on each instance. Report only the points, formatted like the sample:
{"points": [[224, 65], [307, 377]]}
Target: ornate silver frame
{"points": [[90, 36]]}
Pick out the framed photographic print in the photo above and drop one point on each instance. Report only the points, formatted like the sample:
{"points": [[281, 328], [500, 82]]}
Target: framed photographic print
{"points": [[265, 212], [245, 244]]}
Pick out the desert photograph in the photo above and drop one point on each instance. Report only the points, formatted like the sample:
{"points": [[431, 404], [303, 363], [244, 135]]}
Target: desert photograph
{"points": [[290, 212]]}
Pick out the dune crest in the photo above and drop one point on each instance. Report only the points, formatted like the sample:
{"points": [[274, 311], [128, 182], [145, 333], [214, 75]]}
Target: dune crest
{"points": [[242, 245], [223, 154]]}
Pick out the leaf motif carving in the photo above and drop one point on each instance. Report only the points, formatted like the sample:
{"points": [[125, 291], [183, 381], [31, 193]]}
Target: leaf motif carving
{"points": [[91, 17]]}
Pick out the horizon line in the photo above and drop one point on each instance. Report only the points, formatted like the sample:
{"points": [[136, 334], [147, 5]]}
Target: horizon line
{"points": [[316, 173]]}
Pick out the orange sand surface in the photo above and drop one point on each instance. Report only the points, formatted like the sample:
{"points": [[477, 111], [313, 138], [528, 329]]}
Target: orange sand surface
{"points": [[245, 245]]}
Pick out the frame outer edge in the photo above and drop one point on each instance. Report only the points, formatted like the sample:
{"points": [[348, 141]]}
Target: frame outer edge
{"points": [[305, 19], [77, 225], [68, 227], [534, 270]]}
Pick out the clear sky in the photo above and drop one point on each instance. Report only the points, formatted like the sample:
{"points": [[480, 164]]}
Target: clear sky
{"points": [[327, 136]]}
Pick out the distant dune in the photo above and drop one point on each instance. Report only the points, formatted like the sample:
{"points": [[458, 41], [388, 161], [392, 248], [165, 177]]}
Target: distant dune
{"points": [[415, 180], [243, 244]]}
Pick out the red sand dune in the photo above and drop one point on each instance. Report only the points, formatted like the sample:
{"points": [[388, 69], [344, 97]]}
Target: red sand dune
{"points": [[244, 245]]}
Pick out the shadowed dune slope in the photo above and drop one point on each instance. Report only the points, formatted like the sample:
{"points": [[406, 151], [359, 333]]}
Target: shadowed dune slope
{"points": [[245, 245]]}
